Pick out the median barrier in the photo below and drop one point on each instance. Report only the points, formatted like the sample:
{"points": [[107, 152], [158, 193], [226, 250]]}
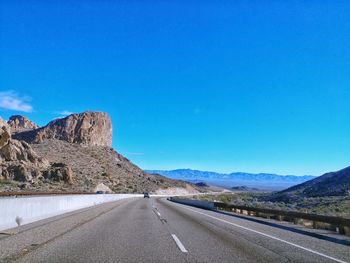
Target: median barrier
{"points": [[195, 203], [20, 210]]}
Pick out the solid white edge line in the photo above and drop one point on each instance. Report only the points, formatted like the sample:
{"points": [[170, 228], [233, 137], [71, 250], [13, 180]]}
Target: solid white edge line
{"points": [[267, 235], [179, 244]]}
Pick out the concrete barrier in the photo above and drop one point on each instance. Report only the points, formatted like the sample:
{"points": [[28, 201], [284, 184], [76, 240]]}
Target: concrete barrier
{"points": [[24, 210], [195, 203]]}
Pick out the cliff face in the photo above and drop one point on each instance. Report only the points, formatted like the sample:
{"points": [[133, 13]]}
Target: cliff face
{"points": [[87, 128], [19, 123]]}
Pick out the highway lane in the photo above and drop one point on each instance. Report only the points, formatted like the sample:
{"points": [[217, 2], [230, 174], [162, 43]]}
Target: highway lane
{"points": [[156, 230], [249, 241]]}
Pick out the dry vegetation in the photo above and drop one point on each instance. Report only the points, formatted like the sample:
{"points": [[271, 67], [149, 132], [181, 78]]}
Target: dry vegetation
{"points": [[92, 165], [331, 205]]}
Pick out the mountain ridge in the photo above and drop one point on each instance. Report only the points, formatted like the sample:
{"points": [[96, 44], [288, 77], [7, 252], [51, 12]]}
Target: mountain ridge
{"points": [[188, 172], [329, 184], [268, 181]]}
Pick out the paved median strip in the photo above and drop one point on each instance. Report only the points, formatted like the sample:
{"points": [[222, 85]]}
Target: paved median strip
{"points": [[267, 235], [179, 244]]}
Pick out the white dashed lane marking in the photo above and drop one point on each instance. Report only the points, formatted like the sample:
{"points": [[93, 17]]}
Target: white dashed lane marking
{"points": [[179, 244]]}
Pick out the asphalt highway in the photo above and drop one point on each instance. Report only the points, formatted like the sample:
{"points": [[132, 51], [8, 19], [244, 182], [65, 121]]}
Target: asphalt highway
{"points": [[157, 230]]}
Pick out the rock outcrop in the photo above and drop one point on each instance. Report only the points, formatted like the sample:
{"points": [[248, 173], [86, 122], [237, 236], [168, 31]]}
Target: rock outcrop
{"points": [[87, 128], [20, 123], [20, 151], [19, 162], [5, 135], [3, 123], [102, 188], [59, 172]]}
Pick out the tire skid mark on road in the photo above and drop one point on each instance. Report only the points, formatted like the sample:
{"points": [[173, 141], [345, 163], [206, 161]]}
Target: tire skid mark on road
{"points": [[156, 212], [176, 239]]}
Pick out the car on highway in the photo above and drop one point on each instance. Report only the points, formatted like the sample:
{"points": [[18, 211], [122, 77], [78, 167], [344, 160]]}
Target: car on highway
{"points": [[146, 195]]}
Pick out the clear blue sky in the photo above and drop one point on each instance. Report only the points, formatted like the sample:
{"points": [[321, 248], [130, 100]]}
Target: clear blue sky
{"points": [[256, 86]]}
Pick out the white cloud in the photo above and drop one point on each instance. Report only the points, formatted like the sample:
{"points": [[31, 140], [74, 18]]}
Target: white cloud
{"points": [[63, 113], [10, 100]]}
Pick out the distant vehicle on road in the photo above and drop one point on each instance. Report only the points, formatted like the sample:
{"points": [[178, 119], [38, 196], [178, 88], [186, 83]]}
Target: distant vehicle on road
{"points": [[145, 195], [99, 192]]}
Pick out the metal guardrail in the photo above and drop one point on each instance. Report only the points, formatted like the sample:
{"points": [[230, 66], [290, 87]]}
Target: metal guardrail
{"points": [[333, 220], [339, 224]]}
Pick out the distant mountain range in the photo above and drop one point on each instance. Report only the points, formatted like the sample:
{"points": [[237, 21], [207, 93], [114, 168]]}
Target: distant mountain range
{"points": [[263, 181], [329, 184]]}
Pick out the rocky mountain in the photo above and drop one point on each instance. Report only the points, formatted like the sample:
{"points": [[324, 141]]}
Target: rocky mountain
{"points": [[87, 128], [262, 181], [18, 123], [72, 154], [329, 184]]}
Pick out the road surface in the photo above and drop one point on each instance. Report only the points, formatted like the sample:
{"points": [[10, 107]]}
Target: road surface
{"points": [[157, 230]]}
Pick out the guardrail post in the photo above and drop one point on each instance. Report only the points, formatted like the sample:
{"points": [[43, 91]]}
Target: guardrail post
{"points": [[297, 221], [339, 230], [347, 230]]}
